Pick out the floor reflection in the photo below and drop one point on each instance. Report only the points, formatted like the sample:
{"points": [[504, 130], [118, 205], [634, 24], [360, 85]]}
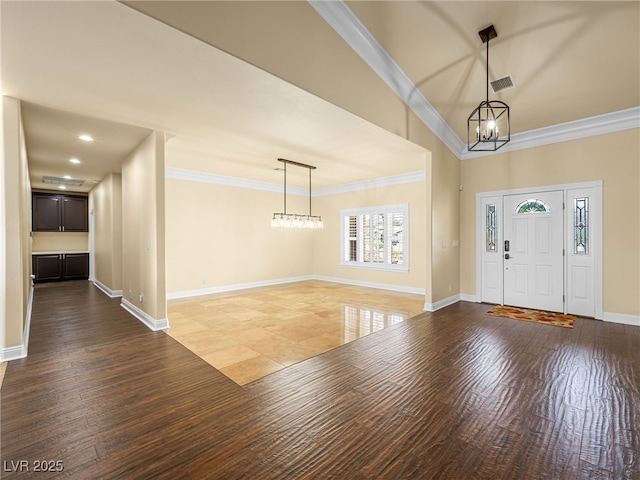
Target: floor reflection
{"points": [[248, 334], [359, 322]]}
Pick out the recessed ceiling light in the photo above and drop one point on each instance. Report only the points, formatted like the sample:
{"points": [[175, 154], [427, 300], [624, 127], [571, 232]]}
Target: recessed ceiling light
{"points": [[67, 177], [86, 138], [62, 187], [74, 160]]}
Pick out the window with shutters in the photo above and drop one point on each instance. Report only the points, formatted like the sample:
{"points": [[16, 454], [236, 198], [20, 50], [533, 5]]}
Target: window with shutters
{"points": [[376, 237]]}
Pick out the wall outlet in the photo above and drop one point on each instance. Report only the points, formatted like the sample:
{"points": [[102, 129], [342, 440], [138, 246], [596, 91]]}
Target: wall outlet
{"points": [[130, 295], [204, 281], [141, 299]]}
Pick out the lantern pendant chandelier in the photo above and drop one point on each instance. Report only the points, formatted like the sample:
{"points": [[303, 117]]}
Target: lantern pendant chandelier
{"points": [[296, 220], [488, 127]]}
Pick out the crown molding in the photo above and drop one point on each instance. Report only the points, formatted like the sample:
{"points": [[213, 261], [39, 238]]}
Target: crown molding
{"points": [[399, 179], [342, 19], [203, 177], [563, 132]]}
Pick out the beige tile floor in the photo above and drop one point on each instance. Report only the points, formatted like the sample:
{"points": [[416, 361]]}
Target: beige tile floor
{"points": [[251, 333], [3, 368]]}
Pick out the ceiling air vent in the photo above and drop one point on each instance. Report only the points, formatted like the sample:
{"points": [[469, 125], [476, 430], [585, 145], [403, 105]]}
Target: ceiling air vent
{"points": [[69, 182], [503, 83]]}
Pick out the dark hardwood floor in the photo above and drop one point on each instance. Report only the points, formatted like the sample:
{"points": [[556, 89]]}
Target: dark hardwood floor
{"points": [[454, 394]]}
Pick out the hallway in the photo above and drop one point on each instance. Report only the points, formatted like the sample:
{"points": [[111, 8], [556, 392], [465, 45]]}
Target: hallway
{"points": [[453, 394]]}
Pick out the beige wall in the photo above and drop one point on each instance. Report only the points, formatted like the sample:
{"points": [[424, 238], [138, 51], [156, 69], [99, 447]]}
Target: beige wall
{"points": [[443, 216], [326, 242], [17, 224], [223, 235], [612, 158], [106, 203], [143, 227], [60, 242], [445, 238]]}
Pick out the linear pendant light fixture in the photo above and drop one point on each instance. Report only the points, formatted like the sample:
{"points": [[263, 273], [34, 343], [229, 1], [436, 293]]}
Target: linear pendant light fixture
{"points": [[296, 220], [489, 126]]}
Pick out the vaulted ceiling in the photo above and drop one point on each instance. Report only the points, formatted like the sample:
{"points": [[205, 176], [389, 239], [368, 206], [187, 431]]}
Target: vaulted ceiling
{"points": [[238, 84]]}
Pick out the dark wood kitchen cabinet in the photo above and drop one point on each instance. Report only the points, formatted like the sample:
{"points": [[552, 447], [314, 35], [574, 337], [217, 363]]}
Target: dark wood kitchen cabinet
{"points": [[59, 213], [75, 266], [47, 268], [50, 267]]}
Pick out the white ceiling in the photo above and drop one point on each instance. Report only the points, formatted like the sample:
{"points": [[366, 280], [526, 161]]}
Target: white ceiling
{"points": [[223, 115], [108, 69], [569, 59], [53, 139]]}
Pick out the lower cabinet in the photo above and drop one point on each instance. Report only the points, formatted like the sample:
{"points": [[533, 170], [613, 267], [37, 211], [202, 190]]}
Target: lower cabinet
{"points": [[60, 266], [75, 266]]}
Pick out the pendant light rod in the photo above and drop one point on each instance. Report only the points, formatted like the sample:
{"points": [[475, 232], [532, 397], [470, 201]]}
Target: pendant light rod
{"points": [[285, 219], [487, 71], [309, 192], [284, 160], [486, 35], [297, 164]]}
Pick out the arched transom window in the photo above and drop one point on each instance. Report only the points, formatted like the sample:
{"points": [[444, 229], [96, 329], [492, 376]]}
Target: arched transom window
{"points": [[533, 205]]}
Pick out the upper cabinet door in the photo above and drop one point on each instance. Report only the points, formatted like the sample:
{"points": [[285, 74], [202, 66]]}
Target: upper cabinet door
{"points": [[74, 214], [47, 213], [60, 213]]}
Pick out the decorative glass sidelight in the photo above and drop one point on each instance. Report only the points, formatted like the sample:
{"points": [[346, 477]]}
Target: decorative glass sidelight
{"points": [[492, 229], [581, 226]]}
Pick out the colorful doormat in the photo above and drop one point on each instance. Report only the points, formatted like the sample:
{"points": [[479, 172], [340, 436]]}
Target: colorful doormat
{"points": [[538, 316]]}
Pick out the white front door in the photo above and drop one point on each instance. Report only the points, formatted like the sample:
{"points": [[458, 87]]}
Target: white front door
{"points": [[533, 251]]}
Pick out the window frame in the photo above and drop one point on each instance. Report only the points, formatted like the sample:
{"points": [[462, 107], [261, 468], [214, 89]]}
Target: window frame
{"points": [[402, 209]]}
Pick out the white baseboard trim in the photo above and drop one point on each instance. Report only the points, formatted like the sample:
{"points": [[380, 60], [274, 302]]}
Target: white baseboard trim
{"points": [[280, 281], [13, 353], [622, 318], [382, 286], [27, 320], [20, 351], [144, 317], [233, 287], [445, 302], [107, 290], [465, 297]]}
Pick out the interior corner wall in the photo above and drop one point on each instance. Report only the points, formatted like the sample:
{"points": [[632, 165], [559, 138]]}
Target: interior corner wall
{"points": [[17, 224], [220, 237], [613, 158], [445, 240], [143, 228], [106, 202], [443, 244]]}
